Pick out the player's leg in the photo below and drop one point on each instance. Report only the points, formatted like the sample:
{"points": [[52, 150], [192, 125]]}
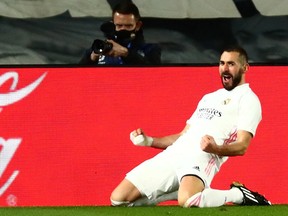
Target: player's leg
{"points": [[237, 194], [194, 189], [214, 198], [144, 185], [189, 186], [145, 201], [124, 194], [192, 192]]}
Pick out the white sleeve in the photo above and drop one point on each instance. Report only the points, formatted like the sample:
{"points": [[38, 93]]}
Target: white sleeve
{"points": [[250, 113]]}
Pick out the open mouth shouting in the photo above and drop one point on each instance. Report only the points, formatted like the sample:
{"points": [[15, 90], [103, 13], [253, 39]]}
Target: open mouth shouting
{"points": [[227, 79]]}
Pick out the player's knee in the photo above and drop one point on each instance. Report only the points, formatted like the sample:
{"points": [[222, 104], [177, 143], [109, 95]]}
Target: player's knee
{"points": [[119, 203], [118, 199], [187, 202], [182, 201]]}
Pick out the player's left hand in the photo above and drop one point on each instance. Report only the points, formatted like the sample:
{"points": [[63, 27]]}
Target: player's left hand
{"points": [[208, 144]]}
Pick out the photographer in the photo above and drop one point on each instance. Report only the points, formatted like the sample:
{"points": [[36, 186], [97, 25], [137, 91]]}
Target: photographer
{"points": [[125, 44]]}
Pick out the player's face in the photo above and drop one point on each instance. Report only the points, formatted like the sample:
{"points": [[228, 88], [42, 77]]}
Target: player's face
{"points": [[231, 70]]}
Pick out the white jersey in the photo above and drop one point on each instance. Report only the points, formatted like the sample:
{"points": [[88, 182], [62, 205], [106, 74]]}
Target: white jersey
{"points": [[219, 114]]}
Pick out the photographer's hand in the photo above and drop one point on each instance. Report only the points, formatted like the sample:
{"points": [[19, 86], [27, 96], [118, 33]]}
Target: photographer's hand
{"points": [[94, 56], [118, 50]]}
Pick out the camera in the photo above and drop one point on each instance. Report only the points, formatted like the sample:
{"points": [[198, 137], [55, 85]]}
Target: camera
{"points": [[122, 37], [101, 46]]}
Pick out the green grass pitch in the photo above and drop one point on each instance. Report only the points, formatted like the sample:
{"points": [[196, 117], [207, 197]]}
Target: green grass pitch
{"points": [[145, 211]]}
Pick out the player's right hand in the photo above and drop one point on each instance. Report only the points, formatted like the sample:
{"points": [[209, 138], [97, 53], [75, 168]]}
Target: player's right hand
{"points": [[138, 138]]}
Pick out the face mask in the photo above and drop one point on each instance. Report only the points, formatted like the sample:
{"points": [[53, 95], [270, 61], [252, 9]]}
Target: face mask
{"points": [[124, 36]]}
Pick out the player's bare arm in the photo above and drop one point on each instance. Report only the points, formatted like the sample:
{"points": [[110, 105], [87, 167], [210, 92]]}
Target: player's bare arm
{"points": [[138, 137], [237, 148]]}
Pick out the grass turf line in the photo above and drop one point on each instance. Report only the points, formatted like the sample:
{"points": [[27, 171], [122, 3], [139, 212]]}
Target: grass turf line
{"points": [[145, 211]]}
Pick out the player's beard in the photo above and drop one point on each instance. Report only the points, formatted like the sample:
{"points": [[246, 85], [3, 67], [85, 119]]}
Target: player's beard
{"points": [[235, 79]]}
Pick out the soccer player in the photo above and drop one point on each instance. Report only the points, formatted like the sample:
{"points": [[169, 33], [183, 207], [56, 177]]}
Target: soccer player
{"points": [[222, 125]]}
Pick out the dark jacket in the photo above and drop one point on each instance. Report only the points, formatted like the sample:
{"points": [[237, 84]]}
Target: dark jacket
{"points": [[140, 53]]}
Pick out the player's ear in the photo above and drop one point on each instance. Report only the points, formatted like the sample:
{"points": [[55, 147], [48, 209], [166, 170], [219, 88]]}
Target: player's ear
{"points": [[246, 67]]}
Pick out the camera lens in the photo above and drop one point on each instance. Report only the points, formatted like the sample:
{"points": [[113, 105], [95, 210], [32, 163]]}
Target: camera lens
{"points": [[101, 47]]}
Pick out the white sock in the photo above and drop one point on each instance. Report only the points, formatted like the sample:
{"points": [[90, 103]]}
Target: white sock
{"points": [[215, 198]]}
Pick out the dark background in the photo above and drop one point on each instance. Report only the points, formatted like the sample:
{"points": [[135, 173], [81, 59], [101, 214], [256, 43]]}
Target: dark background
{"points": [[62, 39]]}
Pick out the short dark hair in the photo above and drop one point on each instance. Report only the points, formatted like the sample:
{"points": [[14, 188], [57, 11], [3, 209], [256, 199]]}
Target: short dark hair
{"points": [[127, 7], [242, 52]]}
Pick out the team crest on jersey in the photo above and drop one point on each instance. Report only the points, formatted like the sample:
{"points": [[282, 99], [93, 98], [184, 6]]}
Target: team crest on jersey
{"points": [[227, 101]]}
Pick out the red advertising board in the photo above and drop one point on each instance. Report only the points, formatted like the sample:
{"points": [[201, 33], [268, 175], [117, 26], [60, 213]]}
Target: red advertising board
{"points": [[64, 132]]}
